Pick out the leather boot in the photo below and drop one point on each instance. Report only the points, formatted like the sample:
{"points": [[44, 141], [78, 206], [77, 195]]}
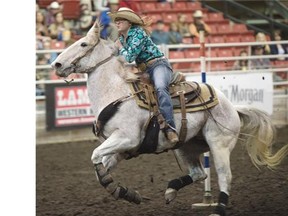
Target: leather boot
{"points": [[172, 136]]}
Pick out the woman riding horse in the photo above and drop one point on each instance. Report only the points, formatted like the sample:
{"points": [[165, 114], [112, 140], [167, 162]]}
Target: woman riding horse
{"points": [[135, 43]]}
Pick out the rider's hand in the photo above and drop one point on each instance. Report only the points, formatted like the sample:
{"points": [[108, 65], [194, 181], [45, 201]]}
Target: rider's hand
{"points": [[118, 44]]}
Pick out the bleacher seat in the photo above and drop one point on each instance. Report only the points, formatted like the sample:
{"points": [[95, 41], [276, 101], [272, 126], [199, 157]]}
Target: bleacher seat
{"points": [[170, 17], [176, 54], [216, 39], [218, 66], [155, 17], [238, 49], [187, 40], [147, 7], [196, 40], [71, 8], [247, 38], [225, 52], [163, 6], [192, 53], [224, 28], [239, 28], [211, 53], [215, 16], [232, 38], [194, 6], [196, 67], [179, 6]]}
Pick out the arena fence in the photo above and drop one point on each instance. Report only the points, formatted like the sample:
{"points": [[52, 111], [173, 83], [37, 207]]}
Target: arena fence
{"points": [[280, 86]]}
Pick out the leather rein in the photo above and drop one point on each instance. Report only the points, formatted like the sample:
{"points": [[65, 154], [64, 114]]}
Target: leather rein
{"points": [[76, 60]]}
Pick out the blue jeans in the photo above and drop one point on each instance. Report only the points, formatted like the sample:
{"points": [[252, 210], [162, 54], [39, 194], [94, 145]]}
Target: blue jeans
{"points": [[160, 73]]}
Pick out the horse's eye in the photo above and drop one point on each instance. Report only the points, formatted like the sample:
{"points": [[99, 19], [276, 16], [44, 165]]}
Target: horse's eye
{"points": [[84, 44]]}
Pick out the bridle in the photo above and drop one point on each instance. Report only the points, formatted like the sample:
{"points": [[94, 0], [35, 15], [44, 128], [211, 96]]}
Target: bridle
{"points": [[75, 62]]}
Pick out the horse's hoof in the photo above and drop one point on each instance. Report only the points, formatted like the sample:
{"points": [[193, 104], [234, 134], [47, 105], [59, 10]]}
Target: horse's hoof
{"points": [[214, 215], [170, 195]]}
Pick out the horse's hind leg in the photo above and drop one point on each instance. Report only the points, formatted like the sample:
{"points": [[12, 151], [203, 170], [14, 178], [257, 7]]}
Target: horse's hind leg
{"points": [[221, 147], [189, 156]]}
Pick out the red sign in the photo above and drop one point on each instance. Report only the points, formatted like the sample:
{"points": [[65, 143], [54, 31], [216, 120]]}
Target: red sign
{"points": [[72, 106]]}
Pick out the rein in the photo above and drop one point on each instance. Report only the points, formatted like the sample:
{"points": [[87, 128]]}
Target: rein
{"points": [[75, 61]]}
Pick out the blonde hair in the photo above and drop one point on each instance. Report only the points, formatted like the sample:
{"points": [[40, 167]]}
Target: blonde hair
{"points": [[147, 21]]}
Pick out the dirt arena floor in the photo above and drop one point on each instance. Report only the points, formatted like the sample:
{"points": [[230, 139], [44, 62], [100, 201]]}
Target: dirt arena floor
{"points": [[66, 184]]}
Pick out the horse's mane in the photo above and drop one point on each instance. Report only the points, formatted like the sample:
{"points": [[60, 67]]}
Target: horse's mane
{"points": [[125, 70]]}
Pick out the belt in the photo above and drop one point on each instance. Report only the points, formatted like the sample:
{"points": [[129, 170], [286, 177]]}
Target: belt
{"points": [[143, 66], [153, 60]]}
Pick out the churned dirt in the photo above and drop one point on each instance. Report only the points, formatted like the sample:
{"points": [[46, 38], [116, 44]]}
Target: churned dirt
{"points": [[66, 184]]}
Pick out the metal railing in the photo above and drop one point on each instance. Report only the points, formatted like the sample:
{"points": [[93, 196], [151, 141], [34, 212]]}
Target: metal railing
{"points": [[283, 95]]}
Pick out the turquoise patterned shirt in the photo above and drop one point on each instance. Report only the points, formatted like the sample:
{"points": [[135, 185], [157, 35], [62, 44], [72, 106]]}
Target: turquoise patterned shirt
{"points": [[139, 47]]}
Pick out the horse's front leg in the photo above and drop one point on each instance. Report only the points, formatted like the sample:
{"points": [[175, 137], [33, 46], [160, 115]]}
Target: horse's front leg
{"points": [[110, 153]]}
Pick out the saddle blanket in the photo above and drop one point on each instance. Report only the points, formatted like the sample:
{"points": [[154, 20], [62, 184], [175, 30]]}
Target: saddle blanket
{"points": [[198, 96]]}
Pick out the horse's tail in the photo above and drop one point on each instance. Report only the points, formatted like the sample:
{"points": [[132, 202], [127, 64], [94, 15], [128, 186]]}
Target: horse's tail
{"points": [[259, 134]]}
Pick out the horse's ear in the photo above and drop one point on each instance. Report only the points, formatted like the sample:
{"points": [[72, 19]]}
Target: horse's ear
{"points": [[95, 29]]}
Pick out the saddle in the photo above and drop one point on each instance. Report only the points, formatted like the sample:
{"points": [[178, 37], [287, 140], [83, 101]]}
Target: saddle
{"points": [[196, 96], [186, 97]]}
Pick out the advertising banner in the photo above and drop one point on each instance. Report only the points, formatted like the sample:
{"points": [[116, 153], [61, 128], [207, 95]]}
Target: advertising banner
{"points": [[67, 105], [247, 88]]}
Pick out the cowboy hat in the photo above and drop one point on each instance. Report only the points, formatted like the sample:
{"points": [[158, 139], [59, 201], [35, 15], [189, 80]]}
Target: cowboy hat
{"points": [[198, 13], [128, 14], [54, 5]]}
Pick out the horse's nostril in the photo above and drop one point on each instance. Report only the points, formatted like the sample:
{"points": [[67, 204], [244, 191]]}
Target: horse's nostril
{"points": [[58, 65]]}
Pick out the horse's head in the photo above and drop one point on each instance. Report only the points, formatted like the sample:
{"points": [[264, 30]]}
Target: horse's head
{"points": [[79, 57]]}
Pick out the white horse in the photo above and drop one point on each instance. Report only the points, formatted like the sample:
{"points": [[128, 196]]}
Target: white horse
{"points": [[217, 130]]}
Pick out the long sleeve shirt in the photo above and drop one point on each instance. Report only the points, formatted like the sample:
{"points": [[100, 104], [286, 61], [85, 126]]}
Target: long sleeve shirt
{"points": [[138, 46]]}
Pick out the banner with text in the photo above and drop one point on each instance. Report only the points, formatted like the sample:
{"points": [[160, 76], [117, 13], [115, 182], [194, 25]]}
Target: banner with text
{"points": [[254, 88], [68, 105]]}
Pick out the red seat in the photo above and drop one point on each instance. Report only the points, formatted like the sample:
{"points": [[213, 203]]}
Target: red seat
{"points": [[247, 38], [171, 17], [237, 50], [194, 5], [71, 9], [216, 39], [147, 6], [211, 53], [187, 40], [215, 17], [224, 28], [218, 66], [232, 38], [44, 3], [225, 52], [179, 6], [239, 28], [196, 40], [281, 64], [192, 53], [155, 17], [196, 67], [176, 54], [185, 66], [189, 17], [163, 6]]}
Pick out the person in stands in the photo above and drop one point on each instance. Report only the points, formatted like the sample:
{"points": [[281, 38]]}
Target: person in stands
{"points": [[198, 25], [242, 64], [135, 44], [278, 49], [159, 35], [259, 63]]}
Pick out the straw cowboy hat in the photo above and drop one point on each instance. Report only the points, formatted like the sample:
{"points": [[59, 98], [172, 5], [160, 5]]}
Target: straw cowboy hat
{"points": [[198, 13], [54, 5], [128, 14]]}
